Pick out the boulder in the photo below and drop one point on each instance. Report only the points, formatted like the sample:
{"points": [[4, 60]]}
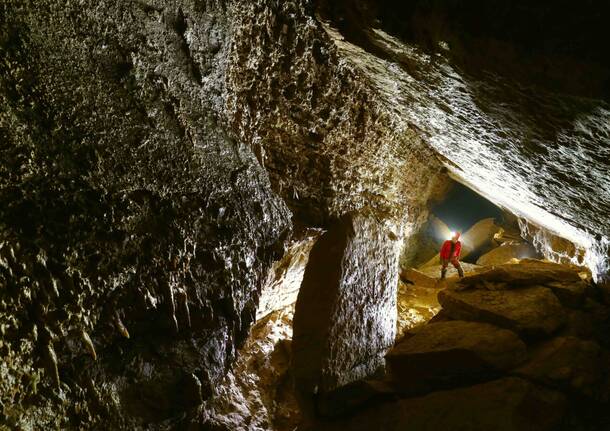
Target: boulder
{"points": [[531, 272], [353, 396], [345, 314], [413, 276], [567, 362], [416, 305], [448, 353], [506, 252], [532, 311], [571, 293], [509, 404]]}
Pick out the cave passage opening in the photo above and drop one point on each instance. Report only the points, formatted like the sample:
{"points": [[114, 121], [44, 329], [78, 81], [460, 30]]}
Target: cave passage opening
{"points": [[462, 208], [484, 226]]}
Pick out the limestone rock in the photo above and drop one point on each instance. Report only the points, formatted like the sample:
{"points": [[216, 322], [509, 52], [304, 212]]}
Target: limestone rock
{"points": [[531, 311], [506, 252], [509, 404], [416, 305], [345, 317], [413, 276], [284, 279], [567, 362], [354, 396], [525, 273], [570, 293], [456, 351], [258, 393]]}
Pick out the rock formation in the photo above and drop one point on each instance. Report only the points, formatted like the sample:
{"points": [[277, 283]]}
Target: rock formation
{"points": [[489, 365], [165, 167]]}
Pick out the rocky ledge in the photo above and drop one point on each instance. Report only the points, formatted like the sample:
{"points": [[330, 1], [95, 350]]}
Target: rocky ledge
{"points": [[519, 346]]}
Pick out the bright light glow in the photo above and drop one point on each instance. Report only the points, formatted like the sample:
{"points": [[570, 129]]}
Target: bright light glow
{"points": [[451, 234]]}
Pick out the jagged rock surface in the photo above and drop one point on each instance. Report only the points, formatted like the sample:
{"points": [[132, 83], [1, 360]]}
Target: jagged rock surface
{"points": [[136, 231], [531, 310], [345, 313], [443, 353], [415, 305], [258, 393], [506, 252], [503, 405]]}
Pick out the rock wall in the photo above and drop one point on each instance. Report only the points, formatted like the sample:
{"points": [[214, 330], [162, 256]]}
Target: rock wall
{"points": [[144, 145], [135, 229], [317, 124], [345, 315]]}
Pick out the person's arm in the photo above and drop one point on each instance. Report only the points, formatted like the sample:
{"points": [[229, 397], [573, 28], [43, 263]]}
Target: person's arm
{"points": [[444, 250], [458, 250]]}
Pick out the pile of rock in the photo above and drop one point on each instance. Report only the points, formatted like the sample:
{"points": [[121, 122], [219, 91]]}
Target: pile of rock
{"points": [[515, 347]]}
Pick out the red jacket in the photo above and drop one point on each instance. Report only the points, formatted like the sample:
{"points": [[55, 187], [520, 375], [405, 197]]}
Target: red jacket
{"points": [[446, 250]]}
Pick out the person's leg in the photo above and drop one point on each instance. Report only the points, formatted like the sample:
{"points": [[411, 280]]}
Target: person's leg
{"points": [[444, 263], [456, 264]]}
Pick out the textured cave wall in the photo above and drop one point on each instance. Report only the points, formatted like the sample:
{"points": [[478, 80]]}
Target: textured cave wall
{"points": [[135, 230], [512, 94], [144, 145], [345, 315], [317, 125], [331, 147]]}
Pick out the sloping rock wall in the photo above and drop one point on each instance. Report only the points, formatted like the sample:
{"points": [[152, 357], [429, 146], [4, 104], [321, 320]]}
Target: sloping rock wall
{"points": [[135, 230]]}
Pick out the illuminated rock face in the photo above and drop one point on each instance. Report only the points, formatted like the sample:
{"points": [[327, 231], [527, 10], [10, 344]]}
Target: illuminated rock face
{"points": [[500, 101], [154, 157], [345, 316]]}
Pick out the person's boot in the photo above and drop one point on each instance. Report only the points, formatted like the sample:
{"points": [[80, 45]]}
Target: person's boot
{"points": [[460, 271]]}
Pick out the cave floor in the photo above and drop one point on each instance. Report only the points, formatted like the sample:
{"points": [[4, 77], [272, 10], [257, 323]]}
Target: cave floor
{"points": [[509, 347]]}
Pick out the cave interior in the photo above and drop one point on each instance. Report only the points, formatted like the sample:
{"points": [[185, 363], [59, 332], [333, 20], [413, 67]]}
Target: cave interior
{"points": [[226, 215]]}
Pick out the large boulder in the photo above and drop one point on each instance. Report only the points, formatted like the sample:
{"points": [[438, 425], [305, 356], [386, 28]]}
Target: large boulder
{"points": [[506, 252], [345, 315], [413, 276], [509, 404], [567, 362], [570, 293], [416, 305], [531, 272], [532, 311], [446, 353]]}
